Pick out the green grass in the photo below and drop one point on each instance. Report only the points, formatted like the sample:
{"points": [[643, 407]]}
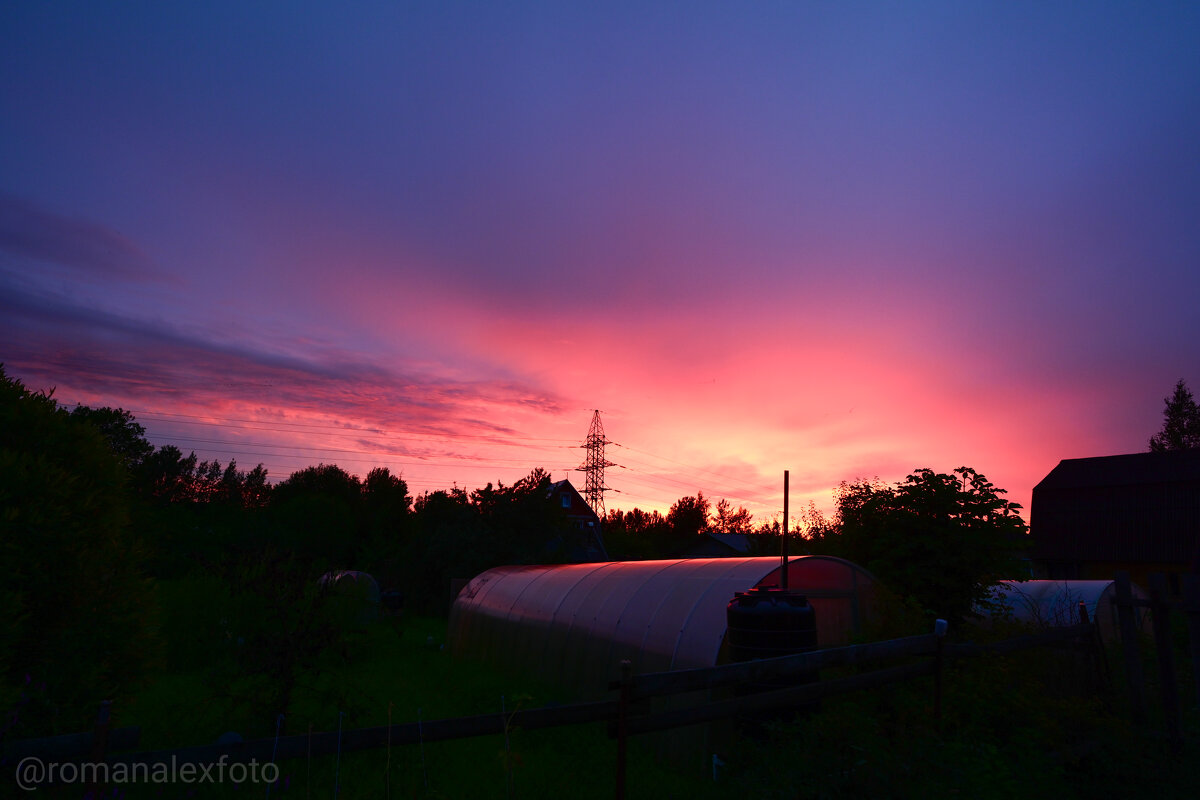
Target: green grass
{"points": [[406, 672]]}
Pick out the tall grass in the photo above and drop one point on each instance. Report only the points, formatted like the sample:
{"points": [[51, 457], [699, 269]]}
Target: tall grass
{"points": [[397, 668]]}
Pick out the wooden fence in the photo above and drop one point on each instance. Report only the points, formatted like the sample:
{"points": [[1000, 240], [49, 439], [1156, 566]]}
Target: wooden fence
{"points": [[1161, 607], [633, 711]]}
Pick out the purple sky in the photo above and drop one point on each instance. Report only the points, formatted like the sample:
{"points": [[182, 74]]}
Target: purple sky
{"points": [[848, 240]]}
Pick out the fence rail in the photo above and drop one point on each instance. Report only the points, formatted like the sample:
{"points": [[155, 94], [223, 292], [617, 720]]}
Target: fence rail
{"points": [[81, 746], [657, 684], [790, 697]]}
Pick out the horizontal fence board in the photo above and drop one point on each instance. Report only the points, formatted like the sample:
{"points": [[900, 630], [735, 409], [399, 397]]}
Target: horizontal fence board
{"points": [[779, 699], [657, 684], [1039, 639], [326, 742], [69, 745]]}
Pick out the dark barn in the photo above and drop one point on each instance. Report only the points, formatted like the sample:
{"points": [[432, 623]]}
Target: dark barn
{"points": [[1138, 512]]}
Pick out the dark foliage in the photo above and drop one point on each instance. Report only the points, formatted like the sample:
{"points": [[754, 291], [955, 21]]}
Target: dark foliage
{"points": [[1181, 422], [76, 611], [690, 516], [125, 437], [637, 535], [642, 535], [940, 540], [459, 535]]}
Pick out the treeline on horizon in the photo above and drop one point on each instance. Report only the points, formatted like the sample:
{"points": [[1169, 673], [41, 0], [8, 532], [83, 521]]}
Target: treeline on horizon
{"points": [[187, 512], [373, 523], [126, 560]]}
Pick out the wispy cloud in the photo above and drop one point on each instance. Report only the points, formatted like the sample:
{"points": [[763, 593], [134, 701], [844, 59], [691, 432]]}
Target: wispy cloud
{"points": [[97, 354], [32, 232]]}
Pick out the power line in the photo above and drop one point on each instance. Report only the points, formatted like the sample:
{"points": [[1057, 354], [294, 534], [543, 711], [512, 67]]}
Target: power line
{"points": [[694, 469], [336, 430], [364, 457], [283, 470], [407, 460], [375, 453], [692, 483], [690, 486]]}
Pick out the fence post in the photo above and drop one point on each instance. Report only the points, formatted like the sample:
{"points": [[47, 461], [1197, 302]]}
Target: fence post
{"points": [[623, 724], [939, 660], [100, 743], [1191, 610], [1166, 658], [1129, 645], [1103, 681]]}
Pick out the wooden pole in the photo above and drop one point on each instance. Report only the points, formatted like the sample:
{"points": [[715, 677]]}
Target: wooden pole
{"points": [[783, 543], [1166, 659], [1129, 645]]}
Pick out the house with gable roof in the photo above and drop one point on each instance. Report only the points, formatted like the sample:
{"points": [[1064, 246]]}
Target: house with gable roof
{"points": [[588, 543]]}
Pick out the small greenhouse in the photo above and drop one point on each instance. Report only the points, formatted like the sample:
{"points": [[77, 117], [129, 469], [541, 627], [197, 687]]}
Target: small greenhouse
{"points": [[1048, 602], [354, 594], [572, 624]]}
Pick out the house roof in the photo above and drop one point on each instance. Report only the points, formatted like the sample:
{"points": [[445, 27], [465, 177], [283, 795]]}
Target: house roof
{"points": [[738, 542], [718, 545], [579, 506]]}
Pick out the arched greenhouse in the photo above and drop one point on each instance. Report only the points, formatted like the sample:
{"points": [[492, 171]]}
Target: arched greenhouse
{"points": [[572, 624], [1056, 602]]}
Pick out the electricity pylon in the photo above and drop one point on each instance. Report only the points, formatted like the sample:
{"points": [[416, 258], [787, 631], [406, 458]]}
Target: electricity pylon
{"points": [[594, 464]]}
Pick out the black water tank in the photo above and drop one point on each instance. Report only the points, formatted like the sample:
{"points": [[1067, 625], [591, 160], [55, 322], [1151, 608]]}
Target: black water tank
{"points": [[767, 622], [764, 623]]}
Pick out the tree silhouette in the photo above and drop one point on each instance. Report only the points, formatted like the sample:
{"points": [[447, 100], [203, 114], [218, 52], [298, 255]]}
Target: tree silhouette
{"points": [[167, 476], [730, 521], [316, 511], [1181, 422], [75, 610], [125, 436], [942, 540], [690, 515]]}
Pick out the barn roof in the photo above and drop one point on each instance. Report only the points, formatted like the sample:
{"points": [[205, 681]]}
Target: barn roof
{"points": [[1136, 508], [1124, 470]]}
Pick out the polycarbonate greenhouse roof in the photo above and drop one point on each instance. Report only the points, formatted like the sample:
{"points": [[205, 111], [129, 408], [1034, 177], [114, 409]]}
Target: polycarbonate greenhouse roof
{"points": [[1053, 602], [574, 623]]}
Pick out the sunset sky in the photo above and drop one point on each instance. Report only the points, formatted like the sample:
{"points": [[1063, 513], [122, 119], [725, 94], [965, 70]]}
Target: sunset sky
{"points": [[843, 239]]}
